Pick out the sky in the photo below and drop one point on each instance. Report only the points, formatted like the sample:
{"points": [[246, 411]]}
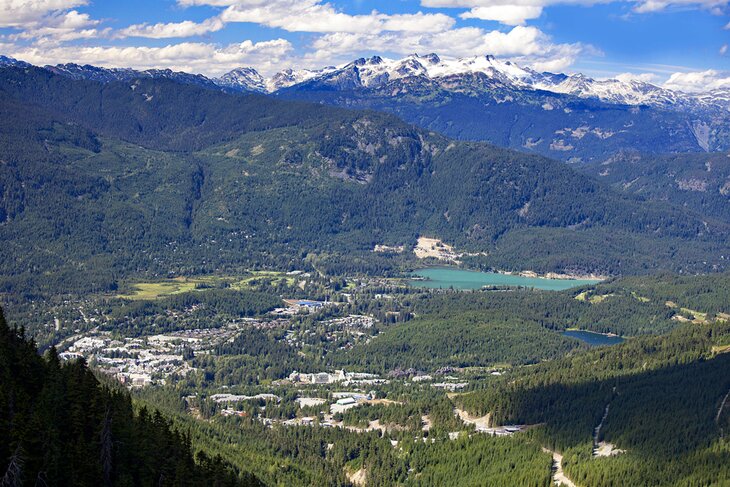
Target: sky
{"points": [[678, 44]]}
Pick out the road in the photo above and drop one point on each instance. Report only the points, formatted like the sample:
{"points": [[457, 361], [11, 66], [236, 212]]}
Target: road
{"points": [[559, 477]]}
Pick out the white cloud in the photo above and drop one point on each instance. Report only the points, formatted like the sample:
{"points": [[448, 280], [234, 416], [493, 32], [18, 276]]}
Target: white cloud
{"points": [[187, 56], [650, 6], [723, 49], [418, 22], [295, 16], [558, 62], [60, 27], [643, 77], [186, 28], [19, 13], [698, 81], [315, 16], [640, 6], [506, 14]]}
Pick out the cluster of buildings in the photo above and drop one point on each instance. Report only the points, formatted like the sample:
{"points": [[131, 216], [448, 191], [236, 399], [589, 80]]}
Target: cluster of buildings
{"points": [[297, 306], [141, 361], [342, 333], [451, 386], [331, 378], [228, 398], [135, 362], [351, 322]]}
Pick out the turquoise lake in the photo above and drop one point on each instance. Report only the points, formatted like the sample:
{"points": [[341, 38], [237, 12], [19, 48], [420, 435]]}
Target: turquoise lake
{"points": [[445, 278], [593, 339]]}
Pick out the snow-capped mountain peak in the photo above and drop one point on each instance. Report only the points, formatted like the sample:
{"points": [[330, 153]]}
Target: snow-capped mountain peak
{"points": [[9, 61], [488, 65], [244, 79], [290, 77]]}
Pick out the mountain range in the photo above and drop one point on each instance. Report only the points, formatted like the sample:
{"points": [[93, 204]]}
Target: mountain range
{"points": [[573, 118], [376, 72]]}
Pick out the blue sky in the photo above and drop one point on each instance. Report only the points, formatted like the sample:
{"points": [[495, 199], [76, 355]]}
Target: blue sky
{"points": [[680, 43]]}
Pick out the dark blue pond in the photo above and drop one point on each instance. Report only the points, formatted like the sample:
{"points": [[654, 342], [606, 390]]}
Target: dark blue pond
{"points": [[593, 339]]}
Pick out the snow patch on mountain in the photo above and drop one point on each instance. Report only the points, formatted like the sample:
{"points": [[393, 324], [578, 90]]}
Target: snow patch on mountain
{"points": [[631, 92]]}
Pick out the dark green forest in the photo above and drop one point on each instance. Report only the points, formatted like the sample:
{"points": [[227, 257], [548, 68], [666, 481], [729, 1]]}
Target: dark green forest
{"points": [[60, 426], [696, 181]]}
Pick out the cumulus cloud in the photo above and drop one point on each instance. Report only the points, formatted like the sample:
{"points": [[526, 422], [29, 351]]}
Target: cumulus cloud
{"points": [[506, 14], [186, 28], [59, 27], [559, 60], [418, 22], [643, 77], [20, 13], [315, 16], [698, 81], [187, 56], [639, 6]]}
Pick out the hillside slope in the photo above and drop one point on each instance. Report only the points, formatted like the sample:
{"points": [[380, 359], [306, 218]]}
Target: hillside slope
{"points": [[106, 180], [700, 182]]}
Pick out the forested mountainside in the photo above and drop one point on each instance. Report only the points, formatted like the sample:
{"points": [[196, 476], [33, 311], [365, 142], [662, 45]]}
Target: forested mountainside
{"points": [[700, 182], [153, 176], [60, 426], [659, 400], [629, 125]]}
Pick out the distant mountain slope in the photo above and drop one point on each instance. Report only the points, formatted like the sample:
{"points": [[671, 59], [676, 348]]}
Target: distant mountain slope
{"points": [[700, 182], [153, 176], [568, 117]]}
